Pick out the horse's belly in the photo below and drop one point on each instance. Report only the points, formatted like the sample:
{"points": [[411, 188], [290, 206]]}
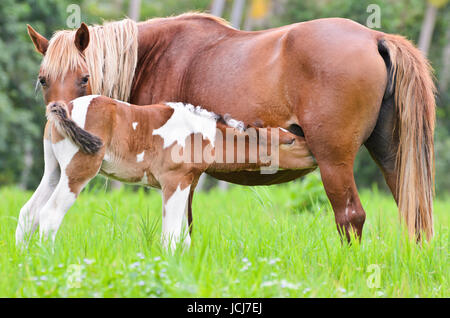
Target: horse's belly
{"points": [[128, 173], [253, 178]]}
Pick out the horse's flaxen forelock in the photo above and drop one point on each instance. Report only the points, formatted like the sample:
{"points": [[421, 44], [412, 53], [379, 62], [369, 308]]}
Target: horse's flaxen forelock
{"points": [[110, 57], [62, 56]]}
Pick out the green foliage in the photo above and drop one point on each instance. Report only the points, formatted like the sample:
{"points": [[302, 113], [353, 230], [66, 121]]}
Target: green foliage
{"points": [[21, 112], [306, 194], [109, 10], [246, 243]]}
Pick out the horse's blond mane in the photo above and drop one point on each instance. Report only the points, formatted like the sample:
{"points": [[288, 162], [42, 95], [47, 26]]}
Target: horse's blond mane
{"points": [[110, 57]]}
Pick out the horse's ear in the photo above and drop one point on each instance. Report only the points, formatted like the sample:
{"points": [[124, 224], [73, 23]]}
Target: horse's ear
{"points": [[40, 42], [82, 37]]}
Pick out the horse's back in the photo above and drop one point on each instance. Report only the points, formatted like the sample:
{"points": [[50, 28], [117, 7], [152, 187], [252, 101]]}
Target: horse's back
{"points": [[267, 76]]}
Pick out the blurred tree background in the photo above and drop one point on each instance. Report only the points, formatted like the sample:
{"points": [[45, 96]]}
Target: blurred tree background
{"points": [[21, 106]]}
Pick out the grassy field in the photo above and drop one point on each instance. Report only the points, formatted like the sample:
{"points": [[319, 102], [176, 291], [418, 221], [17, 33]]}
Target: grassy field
{"points": [[278, 241]]}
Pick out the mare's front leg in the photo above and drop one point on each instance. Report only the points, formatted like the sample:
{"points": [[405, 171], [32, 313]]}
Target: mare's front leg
{"points": [[77, 168], [29, 214], [177, 210]]}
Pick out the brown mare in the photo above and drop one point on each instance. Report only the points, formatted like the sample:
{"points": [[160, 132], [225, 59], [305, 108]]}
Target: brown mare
{"points": [[163, 146], [333, 81]]}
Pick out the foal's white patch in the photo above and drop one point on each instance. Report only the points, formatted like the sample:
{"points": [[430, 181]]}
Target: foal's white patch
{"points": [[285, 130], [135, 125], [187, 120], [64, 151], [140, 156], [80, 108]]}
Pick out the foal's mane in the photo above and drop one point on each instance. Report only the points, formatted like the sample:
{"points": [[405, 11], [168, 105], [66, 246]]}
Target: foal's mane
{"points": [[110, 57], [199, 111]]}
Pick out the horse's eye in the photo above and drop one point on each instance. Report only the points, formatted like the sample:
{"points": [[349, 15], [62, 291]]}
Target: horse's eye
{"points": [[42, 81], [85, 79]]}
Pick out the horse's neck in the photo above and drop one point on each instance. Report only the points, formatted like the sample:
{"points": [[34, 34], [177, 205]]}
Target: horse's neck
{"points": [[161, 57], [156, 37]]}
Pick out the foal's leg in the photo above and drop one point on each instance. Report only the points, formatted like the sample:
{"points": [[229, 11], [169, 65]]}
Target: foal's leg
{"points": [[75, 174], [29, 214], [175, 207], [188, 216], [187, 219], [52, 214], [177, 213]]}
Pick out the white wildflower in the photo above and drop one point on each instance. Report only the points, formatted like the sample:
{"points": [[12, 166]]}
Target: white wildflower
{"points": [[134, 265]]}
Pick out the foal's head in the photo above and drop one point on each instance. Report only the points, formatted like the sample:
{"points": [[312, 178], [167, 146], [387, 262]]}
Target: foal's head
{"points": [[64, 74]]}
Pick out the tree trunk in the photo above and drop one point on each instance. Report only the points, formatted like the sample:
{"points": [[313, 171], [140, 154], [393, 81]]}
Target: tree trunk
{"points": [[27, 163], [237, 12], [426, 32], [217, 7], [444, 77], [134, 10]]}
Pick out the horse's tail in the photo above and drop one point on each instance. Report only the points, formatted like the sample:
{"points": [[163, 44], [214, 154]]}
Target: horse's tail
{"points": [[411, 82], [57, 113]]}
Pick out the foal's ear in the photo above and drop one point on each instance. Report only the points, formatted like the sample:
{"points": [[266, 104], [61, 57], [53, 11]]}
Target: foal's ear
{"points": [[82, 37], [40, 42]]}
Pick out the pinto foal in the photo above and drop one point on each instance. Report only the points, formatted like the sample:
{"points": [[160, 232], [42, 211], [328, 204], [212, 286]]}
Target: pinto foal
{"points": [[166, 146]]}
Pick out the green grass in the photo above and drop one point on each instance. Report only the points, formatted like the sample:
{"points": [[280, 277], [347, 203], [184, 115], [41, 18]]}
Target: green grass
{"points": [[247, 242]]}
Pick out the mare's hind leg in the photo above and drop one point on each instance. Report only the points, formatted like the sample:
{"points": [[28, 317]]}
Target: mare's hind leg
{"points": [[339, 184], [383, 144], [29, 214], [335, 146], [75, 174]]}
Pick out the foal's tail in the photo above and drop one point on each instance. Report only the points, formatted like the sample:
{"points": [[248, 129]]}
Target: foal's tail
{"points": [[57, 114], [411, 81]]}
